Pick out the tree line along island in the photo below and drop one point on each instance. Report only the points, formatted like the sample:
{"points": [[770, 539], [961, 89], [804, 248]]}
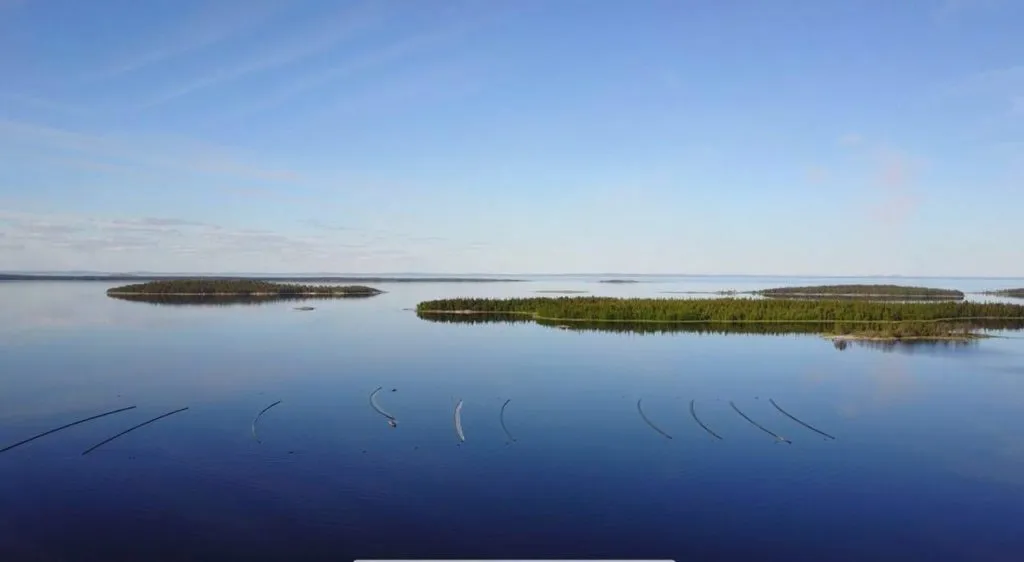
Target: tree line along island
{"points": [[836, 317], [238, 288], [887, 292]]}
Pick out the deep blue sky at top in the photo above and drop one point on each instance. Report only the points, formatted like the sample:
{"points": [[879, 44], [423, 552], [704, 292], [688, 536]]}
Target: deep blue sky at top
{"points": [[788, 137]]}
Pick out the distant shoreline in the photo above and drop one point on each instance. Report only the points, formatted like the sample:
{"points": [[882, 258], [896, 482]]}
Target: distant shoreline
{"points": [[271, 278]]}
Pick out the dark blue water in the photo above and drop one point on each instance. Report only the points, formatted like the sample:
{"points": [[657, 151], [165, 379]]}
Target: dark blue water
{"points": [[928, 463]]}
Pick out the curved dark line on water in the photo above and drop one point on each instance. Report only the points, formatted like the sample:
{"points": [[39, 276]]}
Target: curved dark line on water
{"points": [[654, 427], [693, 412], [72, 424], [794, 418], [458, 421], [501, 417], [258, 416], [373, 404], [130, 429], [759, 426]]}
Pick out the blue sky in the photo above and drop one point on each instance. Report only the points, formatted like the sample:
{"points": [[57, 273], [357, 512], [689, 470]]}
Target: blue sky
{"points": [[647, 136]]}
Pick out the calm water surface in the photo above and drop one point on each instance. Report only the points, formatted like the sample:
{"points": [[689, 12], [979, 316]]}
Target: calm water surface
{"points": [[928, 463]]}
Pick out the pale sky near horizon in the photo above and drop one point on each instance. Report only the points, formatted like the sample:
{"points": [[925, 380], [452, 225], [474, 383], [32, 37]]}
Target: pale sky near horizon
{"points": [[855, 137]]}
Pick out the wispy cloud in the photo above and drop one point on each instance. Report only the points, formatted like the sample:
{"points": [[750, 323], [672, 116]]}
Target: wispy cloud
{"points": [[817, 175], [851, 139], [458, 20], [319, 225], [45, 241], [890, 193], [898, 199], [36, 102], [152, 152], [362, 62], [409, 241], [307, 43], [1001, 86], [216, 22], [380, 235], [160, 236], [948, 10]]}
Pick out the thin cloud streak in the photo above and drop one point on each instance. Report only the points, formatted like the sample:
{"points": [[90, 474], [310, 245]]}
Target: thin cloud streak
{"points": [[360, 63], [892, 198], [898, 202], [161, 152], [160, 235], [949, 10], [395, 51], [1000, 85], [214, 24], [306, 44]]}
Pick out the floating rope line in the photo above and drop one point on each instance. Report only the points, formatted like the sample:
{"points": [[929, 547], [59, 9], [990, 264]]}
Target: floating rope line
{"points": [[794, 418], [258, 416], [654, 427], [759, 426], [72, 424], [693, 412], [501, 417], [130, 429], [392, 421], [458, 421]]}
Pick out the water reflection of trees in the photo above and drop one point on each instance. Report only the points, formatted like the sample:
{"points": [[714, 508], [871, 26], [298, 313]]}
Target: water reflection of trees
{"points": [[229, 300], [767, 328], [911, 347]]}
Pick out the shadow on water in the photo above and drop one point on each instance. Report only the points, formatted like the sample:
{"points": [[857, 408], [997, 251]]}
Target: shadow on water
{"points": [[228, 300]]}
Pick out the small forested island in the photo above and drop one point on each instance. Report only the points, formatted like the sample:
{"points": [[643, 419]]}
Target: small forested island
{"points": [[838, 318], [619, 281], [1015, 293], [239, 288], [863, 291]]}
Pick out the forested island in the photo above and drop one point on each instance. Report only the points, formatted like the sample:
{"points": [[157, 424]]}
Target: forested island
{"points": [[239, 288], [858, 319], [863, 291], [619, 281], [1015, 293]]}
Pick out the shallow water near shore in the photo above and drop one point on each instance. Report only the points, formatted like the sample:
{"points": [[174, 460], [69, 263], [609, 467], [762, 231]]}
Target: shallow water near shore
{"points": [[928, 460]]}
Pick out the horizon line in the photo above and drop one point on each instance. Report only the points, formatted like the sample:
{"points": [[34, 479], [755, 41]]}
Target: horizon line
{"points": [[56, 272]]}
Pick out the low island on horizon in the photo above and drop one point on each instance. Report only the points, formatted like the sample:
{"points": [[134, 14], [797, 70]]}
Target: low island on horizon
{"points": [[862, 291]]}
